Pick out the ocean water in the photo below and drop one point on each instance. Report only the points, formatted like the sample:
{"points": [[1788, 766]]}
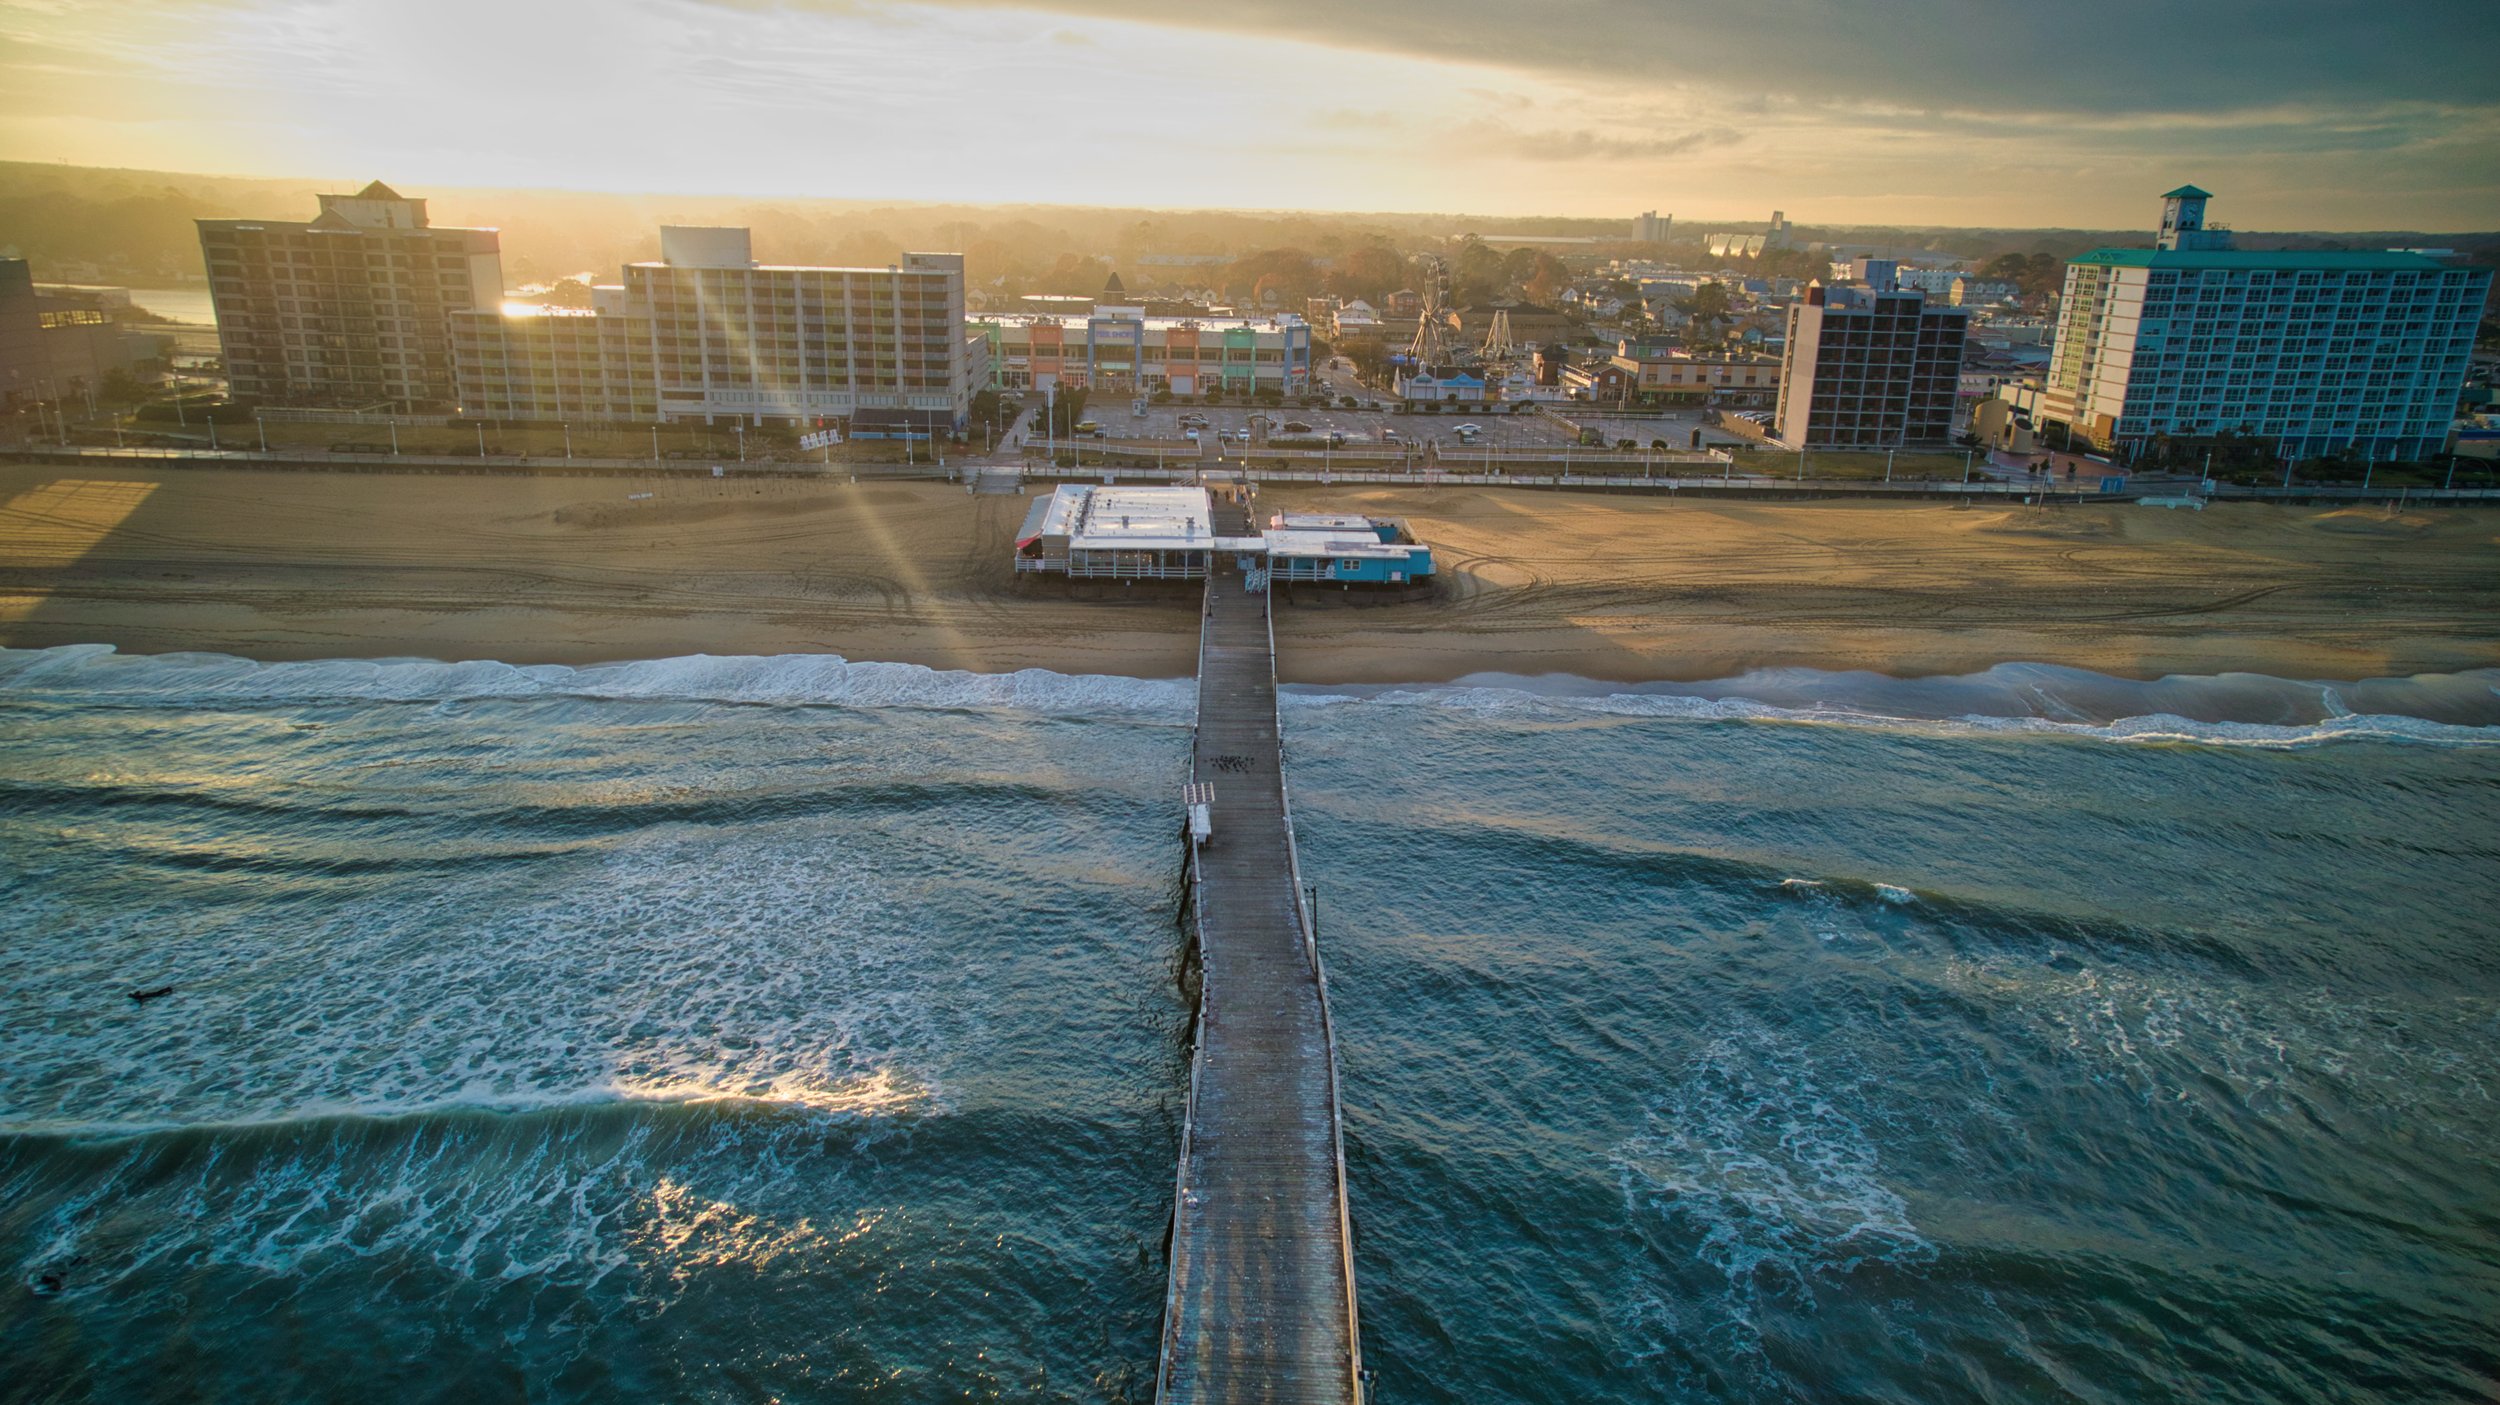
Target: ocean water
{"points": [[788, 1029]]}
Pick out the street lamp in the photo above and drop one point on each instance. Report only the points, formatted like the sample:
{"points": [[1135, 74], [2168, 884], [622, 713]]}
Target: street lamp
{"points": [[738, 429], [568, 440]]}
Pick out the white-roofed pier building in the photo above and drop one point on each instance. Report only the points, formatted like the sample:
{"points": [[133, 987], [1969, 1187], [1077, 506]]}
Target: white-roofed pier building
{"points": [[1111, 533]]}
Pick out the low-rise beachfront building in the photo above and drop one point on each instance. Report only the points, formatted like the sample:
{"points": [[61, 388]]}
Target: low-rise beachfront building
{"points": [[1447, 388], [60, 343], [1344, 550], [1113, 533], [1123, 349], [707, 333], [1119, 533], [1675, 375]]}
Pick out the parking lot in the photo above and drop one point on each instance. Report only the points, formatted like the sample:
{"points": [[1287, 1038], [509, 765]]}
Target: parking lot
{"points": [[1499, 430], [1676, 429], [1360, 427]]}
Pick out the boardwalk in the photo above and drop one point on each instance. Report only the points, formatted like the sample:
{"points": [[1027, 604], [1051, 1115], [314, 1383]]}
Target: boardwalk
{"points": [[1261, 1305]]}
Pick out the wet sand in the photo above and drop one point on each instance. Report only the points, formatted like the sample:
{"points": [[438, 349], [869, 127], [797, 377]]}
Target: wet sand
{"points": [[576, 570]]}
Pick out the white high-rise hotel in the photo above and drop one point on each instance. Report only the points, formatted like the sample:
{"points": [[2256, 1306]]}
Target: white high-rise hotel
{"points": [[2322, 352]]}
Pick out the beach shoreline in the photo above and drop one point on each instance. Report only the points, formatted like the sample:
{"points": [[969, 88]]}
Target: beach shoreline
{"points": [[1608, 588]]}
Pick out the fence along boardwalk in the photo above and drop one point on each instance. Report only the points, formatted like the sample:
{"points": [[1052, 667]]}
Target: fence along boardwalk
{"points": [[1261, 1303]]}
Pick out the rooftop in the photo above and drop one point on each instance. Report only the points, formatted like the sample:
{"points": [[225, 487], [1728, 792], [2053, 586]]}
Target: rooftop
{"points": [[1350, 543], [1138, 519], [1077, 321]]}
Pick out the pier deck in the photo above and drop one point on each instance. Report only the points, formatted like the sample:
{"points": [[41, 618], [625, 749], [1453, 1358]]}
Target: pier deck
{"points": [[1261, 1304]]}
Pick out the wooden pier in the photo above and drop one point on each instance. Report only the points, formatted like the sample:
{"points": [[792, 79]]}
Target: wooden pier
{"points": [[1261, 1305]]}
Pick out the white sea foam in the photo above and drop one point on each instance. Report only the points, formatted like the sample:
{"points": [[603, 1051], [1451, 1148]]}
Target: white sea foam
{"points": [[554, 1210], [670, 969], [1533, 705], [96, 673], [1754, 1165], [2009, 699], [2237, 1052]]}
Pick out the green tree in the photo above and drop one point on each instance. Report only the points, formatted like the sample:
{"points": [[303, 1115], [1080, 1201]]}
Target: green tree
{"points": [[1066, 408], [1477, 274], [1547, 277], [1289, 273], [1371, 273], [1706, 309]]}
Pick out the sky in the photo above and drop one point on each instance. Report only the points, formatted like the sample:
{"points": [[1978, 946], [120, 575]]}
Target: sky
{"points": [[2300, 114]]}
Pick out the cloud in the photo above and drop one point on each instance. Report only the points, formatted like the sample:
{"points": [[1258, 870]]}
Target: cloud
{"points": [[1349, 119], [1501, 139], [2110, 56]]}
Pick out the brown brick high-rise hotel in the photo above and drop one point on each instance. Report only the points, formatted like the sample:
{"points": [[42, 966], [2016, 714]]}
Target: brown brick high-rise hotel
{"points": [[348, 309]]}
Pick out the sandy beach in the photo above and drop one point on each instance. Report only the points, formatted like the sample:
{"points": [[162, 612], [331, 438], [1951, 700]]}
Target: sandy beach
{"points": [[282, 565]]}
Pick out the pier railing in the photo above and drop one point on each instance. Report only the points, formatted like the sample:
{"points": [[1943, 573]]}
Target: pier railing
{"points": [[1328, 1034]]}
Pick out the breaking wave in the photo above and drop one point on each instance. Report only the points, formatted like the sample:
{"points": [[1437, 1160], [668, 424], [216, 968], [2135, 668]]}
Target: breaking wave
{"points": [[2246, 710], [96, 675]]}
